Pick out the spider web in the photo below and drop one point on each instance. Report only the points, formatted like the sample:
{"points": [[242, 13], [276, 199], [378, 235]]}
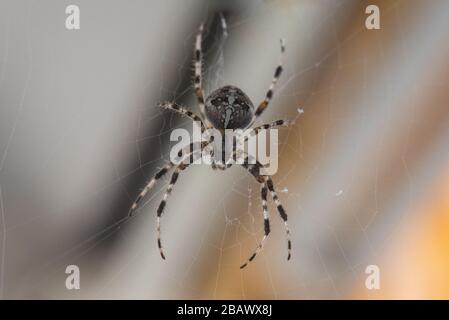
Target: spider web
{"points": [[66, 187]]}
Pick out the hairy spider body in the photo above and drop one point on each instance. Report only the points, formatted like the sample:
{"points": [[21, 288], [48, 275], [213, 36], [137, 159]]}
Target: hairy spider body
{"points": [[225, 108], [229, 108]]}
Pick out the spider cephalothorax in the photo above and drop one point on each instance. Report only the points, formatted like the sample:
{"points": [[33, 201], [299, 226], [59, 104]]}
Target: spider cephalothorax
{"points": [[229, 108], [225, 108]]}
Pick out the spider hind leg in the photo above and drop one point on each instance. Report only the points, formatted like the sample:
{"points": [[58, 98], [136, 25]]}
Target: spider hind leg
{"points": [[267, 183], [163, 203], [266, 222]]}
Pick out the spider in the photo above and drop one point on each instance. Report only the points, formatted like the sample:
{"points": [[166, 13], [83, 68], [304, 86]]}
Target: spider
{"points": [[225, 108]]}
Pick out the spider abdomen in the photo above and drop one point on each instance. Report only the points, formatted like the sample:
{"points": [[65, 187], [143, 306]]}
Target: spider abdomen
{"points": [[229, 108]]}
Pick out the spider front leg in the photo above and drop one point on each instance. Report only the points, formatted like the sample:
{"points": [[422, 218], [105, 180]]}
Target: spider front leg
{"points": [[181, 110], [264, 104], [198, 80]]}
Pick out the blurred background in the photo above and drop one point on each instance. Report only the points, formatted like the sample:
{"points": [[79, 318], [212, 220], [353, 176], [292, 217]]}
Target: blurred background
{"points": [[363, 174]]}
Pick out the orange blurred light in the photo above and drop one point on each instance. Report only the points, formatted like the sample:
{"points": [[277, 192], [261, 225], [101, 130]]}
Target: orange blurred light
{"points": [[417, 264]]}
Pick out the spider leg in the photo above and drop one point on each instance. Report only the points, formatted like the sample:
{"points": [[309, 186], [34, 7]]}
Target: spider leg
{"points": [[217, 166], [163, 203], [253, 132], [198, 80], [214, 164], [268, 182], [150, 185], [282, 213], [264, 104], [278, 123], [220, 165], [237, 145], [181, 110], [159, 175], [266, 223]]}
